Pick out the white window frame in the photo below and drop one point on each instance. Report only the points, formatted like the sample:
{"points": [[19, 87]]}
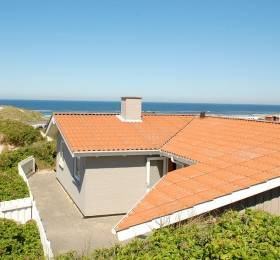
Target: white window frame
{"points": [[78, 166], [148, 169], [61, 160]]}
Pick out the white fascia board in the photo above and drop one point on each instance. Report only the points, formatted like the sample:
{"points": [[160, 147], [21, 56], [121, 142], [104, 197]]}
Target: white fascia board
{"points": [[196, 210], [51, 124], [116, 153], [178, 158], [65, 141], [155, 158]]}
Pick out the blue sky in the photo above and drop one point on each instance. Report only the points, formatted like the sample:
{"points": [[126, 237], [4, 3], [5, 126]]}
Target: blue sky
{"points": [[191, 51]]}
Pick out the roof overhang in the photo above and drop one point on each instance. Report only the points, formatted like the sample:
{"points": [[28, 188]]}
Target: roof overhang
{"points": [[114, 153], [178, 158], [135, 152], [196, 210], [52, 128]]}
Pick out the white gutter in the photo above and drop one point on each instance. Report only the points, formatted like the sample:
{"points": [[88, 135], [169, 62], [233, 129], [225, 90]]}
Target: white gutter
{"points": [[176, 158], [116, 152], [173, 157], [196, 210]]}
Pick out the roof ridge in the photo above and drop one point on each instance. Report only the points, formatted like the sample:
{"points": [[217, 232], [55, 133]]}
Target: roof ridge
{"points": [[180, 130], [242, 119], [151, 113], [117, 113], [85, 113]]}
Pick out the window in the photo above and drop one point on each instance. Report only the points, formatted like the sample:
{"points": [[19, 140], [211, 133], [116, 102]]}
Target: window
{"points": [[61, 155], [78, 169]]}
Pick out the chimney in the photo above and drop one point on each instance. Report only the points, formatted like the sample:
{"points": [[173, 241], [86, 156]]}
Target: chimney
{"points": [[131, 109]]}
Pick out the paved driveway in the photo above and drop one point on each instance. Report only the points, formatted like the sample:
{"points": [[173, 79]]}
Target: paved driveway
{"points": [[66, 228]]}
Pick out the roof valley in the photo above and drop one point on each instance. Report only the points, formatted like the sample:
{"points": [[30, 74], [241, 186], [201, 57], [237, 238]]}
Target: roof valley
{"points": [[178, 132]]}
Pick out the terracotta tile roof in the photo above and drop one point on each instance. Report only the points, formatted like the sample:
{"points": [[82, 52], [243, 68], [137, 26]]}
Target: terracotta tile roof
{"points": [[105, 132], [231, 155]]}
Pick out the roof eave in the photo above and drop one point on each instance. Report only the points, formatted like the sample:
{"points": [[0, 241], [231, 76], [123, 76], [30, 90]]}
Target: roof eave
{"points": [[178, 158], [148, 226], [51, 128], [115, 153]]}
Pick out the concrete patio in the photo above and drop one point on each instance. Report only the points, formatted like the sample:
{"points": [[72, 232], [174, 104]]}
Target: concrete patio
{"points": [[65, 227]]}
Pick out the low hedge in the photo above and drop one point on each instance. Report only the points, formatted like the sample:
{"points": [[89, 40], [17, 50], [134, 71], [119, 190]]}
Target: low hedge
{"points": [[19, 241], [234, 235], [12, 186], [18, 134]]}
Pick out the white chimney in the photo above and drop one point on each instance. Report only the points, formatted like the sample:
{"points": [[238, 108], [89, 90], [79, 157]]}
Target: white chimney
{"points": [[131, 109]]}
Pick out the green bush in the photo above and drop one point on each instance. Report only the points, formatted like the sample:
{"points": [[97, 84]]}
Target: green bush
{"points": [[18, 134], [19, 241], [234, 235], [12, 186], [44, 153]]}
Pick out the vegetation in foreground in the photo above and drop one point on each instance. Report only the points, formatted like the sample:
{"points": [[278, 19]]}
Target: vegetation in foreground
{"points": [[234, 235], [19, 241], [22, 115], [12, 186]]}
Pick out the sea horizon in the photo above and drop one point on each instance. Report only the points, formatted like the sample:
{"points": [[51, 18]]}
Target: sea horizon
{"points": [[47, 107]]}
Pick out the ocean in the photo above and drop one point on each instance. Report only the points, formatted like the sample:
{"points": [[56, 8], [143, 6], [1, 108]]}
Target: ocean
{"points": [[47, 107]]}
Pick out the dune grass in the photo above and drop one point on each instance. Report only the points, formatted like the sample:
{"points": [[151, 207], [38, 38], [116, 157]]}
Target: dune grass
{"points": [[17, 133], [22, 115]]}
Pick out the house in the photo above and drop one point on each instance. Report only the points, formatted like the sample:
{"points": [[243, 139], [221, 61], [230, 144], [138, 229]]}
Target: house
{"points": [[272, 118], [161, 169]]}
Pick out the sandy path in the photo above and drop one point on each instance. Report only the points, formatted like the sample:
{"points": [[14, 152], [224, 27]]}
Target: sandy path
{"points": [[1, 148]]}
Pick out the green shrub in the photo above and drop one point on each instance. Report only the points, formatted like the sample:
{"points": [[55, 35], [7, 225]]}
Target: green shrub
{"points": [[19, 241], [12, 186], [18, 134], [44, 153], [234, 235]]}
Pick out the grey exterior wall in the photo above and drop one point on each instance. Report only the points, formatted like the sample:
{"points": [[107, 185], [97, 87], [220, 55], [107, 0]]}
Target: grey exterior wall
{"points": [[115, 184], [108, 185], [76, 190], [268, 201], [156, 172]]}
